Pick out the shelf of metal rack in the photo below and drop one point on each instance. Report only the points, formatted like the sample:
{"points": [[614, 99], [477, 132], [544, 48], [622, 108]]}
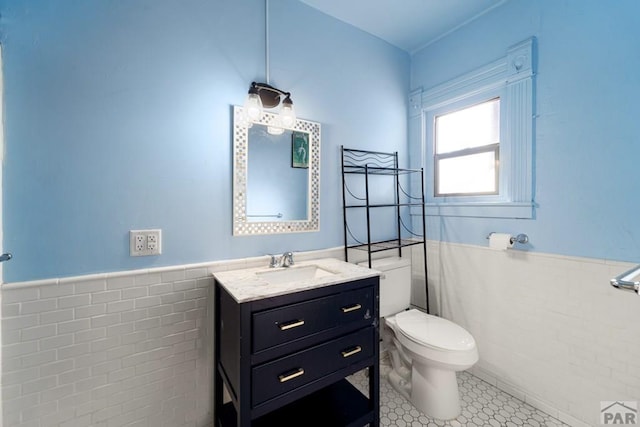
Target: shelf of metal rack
{"points": [[385, 245]]}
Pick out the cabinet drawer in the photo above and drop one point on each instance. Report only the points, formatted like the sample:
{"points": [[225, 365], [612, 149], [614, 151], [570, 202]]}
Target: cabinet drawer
{"points": [[284, 324], [288, 373]]}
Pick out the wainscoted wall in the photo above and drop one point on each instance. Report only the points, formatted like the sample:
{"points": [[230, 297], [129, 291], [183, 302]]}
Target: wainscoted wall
{"points": [[108, 350], [550, 329], [120, 349], [136, 348]]}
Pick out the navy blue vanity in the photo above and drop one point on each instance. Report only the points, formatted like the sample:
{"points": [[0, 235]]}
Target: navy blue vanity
{"points": [[284, 355]]}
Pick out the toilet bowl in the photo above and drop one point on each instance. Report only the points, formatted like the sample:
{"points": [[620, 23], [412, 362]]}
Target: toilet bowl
{"points": [[426, 352]]}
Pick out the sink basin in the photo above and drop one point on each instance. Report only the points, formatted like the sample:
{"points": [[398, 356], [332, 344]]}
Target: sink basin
{"points": [[294, 274]]}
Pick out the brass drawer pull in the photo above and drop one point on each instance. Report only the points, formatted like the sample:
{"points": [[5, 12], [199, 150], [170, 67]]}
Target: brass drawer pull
{"points": [[291, 325], [355, 350], [354, 307], [284, 378]]}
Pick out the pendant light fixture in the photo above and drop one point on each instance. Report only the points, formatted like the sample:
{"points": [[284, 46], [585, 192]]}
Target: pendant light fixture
{"points": [[263, 95]]}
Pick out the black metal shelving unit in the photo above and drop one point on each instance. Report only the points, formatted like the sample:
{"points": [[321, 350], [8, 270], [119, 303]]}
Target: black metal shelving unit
{"points": [[374, 163]]}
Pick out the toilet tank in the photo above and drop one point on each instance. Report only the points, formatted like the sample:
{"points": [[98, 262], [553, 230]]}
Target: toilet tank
{"points": [[395, 284]]}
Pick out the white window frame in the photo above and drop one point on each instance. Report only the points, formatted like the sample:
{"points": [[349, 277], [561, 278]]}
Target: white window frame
{"points": [[511, 78]]}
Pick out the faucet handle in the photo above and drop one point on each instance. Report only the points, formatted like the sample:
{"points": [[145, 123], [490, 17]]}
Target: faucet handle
{"points": [[289, 257], [274, 261]]}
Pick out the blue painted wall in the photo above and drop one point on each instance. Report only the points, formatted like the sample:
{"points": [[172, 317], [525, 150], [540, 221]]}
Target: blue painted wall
{"points": [[118, 113], [117, 117], [587, 142]]}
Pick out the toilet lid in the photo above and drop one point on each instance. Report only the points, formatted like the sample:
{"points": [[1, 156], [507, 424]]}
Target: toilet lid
{"points": [[434, 331]]}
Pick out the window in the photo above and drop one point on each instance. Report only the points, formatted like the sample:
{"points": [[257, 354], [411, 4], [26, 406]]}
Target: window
{"points": [[467, 150], [476, 135]]}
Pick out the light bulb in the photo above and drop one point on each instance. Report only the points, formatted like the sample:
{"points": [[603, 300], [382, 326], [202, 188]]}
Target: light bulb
{"points": [[253, 106], [287, 114]]}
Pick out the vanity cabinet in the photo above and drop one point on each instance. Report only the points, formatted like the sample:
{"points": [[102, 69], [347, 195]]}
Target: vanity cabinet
{"points": [[284, 358]]}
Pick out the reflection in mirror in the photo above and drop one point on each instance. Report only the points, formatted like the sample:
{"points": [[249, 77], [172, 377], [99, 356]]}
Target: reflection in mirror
{"points": [[276, 189], [276, 185]]}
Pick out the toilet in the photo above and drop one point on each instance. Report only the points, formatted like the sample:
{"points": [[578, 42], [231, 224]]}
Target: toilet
{"points": [[426, 351]]}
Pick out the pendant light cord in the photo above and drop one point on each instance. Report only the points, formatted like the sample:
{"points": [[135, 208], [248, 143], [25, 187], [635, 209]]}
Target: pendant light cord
{"points": [[266, 39]]}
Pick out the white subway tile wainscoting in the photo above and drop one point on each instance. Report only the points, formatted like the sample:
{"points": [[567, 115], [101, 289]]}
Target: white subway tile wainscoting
{"points": [[136, 348], [108, 350], [550, 329]]}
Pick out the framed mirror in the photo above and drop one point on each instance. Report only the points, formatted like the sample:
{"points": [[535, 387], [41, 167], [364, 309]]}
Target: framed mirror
{"points": [[276, 176]]}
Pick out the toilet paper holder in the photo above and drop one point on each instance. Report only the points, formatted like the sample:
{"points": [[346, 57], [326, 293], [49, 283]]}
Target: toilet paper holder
{"points": [[520, 238]]}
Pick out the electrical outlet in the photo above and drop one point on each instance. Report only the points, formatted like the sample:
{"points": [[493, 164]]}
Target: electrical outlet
{"points": [[139, 242], [153, 241], [145, 242]]}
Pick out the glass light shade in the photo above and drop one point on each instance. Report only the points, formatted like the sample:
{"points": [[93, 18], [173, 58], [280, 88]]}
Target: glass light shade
{"points": [[253, 107], [273, 130], [275, 127], [287, 113]]}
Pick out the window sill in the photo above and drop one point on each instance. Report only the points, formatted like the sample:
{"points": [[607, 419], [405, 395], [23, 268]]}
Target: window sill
{"points": [[523, 210]]}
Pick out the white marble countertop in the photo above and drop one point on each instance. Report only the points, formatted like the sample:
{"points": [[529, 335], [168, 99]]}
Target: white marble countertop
{"points": [[249, 284]]}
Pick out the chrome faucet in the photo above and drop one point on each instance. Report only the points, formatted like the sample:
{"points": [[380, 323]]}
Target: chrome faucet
{"points": [[286, 260]]}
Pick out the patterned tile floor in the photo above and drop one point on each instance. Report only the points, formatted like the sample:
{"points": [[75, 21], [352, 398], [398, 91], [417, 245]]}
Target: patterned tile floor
{"points": [[483, 405]]}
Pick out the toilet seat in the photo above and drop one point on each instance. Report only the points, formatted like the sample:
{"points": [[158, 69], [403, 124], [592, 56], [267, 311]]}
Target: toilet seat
{"points": [[434, 332]]}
